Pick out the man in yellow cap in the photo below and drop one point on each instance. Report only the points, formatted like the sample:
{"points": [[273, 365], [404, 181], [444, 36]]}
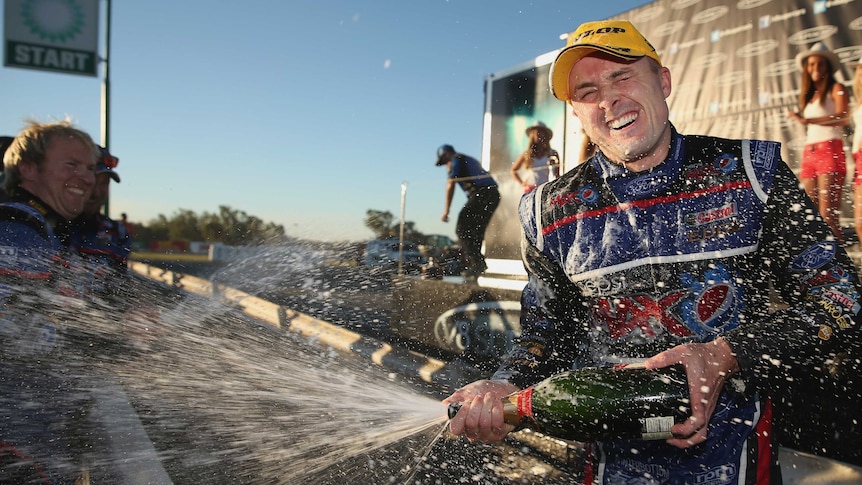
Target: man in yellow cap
{"points": [[661, 249]]}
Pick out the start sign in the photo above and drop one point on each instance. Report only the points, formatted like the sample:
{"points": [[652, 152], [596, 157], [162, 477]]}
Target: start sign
{"points": [[52, 35]]}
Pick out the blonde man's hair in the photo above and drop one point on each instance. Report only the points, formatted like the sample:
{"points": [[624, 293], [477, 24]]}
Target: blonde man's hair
{"points": [[31, 146]]}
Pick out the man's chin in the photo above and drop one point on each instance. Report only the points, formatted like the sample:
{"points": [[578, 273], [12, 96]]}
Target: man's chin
{"points": [[74, 212]]}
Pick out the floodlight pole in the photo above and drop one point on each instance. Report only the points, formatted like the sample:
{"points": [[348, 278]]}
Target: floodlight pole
{"points": [[106, 90]]}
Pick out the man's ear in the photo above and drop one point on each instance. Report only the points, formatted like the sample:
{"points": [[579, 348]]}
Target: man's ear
{"points": [[27, 170], [664, 75]]}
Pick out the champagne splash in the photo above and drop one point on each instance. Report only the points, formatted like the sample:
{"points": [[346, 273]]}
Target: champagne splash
{"points": [[225, 399], [268, 406]]}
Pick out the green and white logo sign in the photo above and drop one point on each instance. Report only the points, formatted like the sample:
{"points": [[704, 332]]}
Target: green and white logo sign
{"points": [[52, 35]]}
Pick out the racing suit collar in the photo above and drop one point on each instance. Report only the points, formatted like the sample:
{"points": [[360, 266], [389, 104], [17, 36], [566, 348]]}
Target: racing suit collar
{"points": [[628, 185], [59, 226]]}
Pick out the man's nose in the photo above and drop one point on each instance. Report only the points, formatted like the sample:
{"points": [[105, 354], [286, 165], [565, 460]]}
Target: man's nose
{"points": [[608, 98]]}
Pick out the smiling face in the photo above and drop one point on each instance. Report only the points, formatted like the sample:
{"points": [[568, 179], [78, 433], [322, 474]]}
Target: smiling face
{"points": [[622, 108], [100, 193], [66, 177], [817, 68]]}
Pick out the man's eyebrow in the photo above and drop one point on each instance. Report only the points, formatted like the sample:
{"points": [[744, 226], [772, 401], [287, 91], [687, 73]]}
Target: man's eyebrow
{"points": [[620, 72], [584, 84], [613, 75]]}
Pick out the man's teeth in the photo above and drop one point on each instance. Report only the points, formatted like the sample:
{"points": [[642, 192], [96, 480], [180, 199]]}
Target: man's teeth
{"points": [[76, 191], [622, 122]]}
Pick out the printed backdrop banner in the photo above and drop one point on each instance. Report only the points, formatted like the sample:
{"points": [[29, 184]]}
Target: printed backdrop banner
{"points": [[734, 75], [733, 63]]}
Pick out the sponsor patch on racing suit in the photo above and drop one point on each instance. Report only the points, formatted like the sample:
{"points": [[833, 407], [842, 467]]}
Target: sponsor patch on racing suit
{"points": [[624, 265]]}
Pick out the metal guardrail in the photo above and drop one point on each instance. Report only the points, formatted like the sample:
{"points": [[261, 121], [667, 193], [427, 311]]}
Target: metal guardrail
{"points": [[280, 318]]}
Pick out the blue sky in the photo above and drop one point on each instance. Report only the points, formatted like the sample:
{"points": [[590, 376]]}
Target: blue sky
{"points": [[305, 113]]}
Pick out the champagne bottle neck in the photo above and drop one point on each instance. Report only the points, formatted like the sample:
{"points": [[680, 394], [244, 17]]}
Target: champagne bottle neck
{"points": [[510, 413], [518, 409]]}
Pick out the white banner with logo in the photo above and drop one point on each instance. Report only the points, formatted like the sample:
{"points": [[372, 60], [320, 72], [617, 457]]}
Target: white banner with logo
{"points": [[52, 35]]}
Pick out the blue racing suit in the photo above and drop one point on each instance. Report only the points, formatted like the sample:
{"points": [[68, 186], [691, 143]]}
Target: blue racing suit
{"points": [[104, 240], [43, 410], [30, 246], [624, 265], [105, 245]]}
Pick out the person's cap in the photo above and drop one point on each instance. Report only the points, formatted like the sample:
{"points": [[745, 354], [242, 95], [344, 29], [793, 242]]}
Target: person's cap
{"points": [[107, 163], [541, 127], [618, 38], [5, 143], [442, 152], [819, 49]]}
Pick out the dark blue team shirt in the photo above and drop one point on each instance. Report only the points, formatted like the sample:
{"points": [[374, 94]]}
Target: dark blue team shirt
{"points": [[470, 170]]}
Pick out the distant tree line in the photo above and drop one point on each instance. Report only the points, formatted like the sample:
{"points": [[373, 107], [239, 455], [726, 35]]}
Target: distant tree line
{"points": [[384, 225], [229, 226], [238, 228]]}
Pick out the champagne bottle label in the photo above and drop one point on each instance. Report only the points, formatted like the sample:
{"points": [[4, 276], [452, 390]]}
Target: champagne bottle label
{"points": [[525, 404], [656, 428]]}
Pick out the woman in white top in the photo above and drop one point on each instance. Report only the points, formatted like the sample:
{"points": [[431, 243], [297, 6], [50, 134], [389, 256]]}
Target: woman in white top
{"points": [[823, 109], [540, 162], [856, 150]]}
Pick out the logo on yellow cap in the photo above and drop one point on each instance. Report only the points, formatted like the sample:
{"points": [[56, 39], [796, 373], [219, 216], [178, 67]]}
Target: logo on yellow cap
{"points": [[618, 38]]}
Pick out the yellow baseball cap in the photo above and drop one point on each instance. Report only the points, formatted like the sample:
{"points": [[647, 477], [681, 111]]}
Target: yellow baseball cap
{"points": [[618, 38]]}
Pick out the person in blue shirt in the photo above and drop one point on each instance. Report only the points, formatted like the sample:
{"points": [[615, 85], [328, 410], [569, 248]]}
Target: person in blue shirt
{"points": [[483, 197], [104, 243]]}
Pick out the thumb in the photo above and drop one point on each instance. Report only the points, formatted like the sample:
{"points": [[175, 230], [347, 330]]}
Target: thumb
{"points": [[665, 359]]}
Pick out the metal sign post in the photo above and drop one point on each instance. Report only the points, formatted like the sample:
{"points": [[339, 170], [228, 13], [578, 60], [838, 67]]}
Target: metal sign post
{"points": [[106, 93]]}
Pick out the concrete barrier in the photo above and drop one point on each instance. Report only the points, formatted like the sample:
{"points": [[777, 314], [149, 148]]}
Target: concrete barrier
{"points": [[430, 370]]}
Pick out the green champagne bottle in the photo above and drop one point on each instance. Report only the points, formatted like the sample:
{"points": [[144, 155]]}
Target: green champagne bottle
{"points": [[596, 404]]}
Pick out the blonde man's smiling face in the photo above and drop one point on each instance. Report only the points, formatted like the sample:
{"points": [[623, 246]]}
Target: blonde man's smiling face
{"points": [[65, 178]]}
